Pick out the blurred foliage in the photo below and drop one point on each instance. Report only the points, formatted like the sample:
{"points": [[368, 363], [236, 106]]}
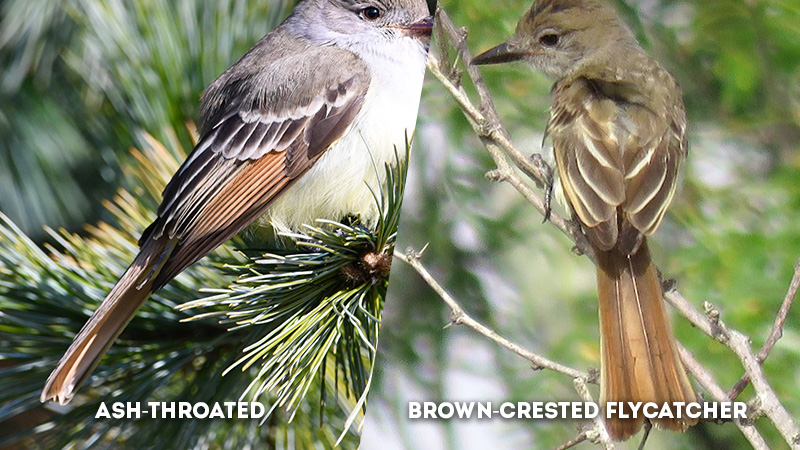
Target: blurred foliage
{"points": [[297, 330], [731, 236], [83, 80]]}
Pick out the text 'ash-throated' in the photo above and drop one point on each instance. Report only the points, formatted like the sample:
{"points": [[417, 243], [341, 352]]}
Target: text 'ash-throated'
{"points": [[291, 133]]}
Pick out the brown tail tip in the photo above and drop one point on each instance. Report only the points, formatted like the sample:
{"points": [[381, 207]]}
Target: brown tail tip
{"points": [[640, 362], [61, 396]]}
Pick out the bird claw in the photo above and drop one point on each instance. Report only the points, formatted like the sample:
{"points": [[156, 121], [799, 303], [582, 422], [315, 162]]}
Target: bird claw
{"points": [[548, 199]]}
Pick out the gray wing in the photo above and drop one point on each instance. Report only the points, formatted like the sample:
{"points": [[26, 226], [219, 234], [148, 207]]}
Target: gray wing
{"points": [[248, 157]]}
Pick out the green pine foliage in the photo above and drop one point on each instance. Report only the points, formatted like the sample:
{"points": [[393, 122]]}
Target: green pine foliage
{"points": [[294, 326]]}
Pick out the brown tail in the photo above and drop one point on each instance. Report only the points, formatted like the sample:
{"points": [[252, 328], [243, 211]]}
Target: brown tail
{"points": [[107, 322], [640, 362]]}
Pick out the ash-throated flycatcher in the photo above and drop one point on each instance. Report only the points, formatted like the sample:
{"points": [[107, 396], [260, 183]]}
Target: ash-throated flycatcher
{"points": [[290, 133], [618, 129]]}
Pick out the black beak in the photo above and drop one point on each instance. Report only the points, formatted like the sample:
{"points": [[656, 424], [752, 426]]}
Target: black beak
{"points": [[421, 29], [497, 55]]}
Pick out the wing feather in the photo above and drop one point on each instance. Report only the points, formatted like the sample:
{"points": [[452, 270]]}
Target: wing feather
{"points": [[618, 161], [243, 163]]}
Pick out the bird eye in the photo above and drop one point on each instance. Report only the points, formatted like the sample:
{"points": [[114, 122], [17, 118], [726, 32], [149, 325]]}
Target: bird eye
{"points": [[549, 40], [370, 13]]}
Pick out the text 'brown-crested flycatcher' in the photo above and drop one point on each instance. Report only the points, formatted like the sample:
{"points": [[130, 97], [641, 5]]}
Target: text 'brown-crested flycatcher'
{"points": [[618, 129], [290, 133]]}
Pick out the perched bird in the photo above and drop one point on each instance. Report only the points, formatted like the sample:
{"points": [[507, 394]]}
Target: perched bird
{"points": [[290, 133], [618, 128]]}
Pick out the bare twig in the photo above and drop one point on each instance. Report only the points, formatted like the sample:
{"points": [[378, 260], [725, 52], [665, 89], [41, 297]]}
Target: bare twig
{"points": [[597, 433], [460, 317], [486, 124], [775, 333], [492, 128], [573, 442], [707, 381], [712, 324]]}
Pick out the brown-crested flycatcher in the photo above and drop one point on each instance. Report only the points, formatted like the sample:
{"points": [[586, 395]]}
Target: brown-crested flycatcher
{"points": [[618, 129], [292, 132]]}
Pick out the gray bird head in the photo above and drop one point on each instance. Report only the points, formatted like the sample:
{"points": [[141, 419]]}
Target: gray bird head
{"points": [[363, 25]]}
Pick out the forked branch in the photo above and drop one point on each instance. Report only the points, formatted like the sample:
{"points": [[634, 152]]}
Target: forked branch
{"points": [[525, 174]]}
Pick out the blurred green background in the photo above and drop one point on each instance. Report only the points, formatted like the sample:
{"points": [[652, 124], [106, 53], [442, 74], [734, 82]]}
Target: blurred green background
{"points": [[731, 237], [84, 80]]}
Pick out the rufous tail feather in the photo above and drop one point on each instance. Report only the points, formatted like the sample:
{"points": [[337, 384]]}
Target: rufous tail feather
{"points": [[640, 362], [107, 322]]}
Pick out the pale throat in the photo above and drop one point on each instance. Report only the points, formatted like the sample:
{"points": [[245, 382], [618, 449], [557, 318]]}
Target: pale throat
{"points": [[342, 182]]}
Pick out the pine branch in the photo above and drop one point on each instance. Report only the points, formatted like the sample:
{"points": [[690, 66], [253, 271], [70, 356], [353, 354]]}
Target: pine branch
{"points": [[287, 332], [320, 298]]}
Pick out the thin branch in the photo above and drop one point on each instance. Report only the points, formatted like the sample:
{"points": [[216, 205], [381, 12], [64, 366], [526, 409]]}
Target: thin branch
{"points": [[486, 124], [573, 442], [597, 433], [712, 325], [460, 317], [498, 149], [493, 128], [707, 381], [775, 333]]}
